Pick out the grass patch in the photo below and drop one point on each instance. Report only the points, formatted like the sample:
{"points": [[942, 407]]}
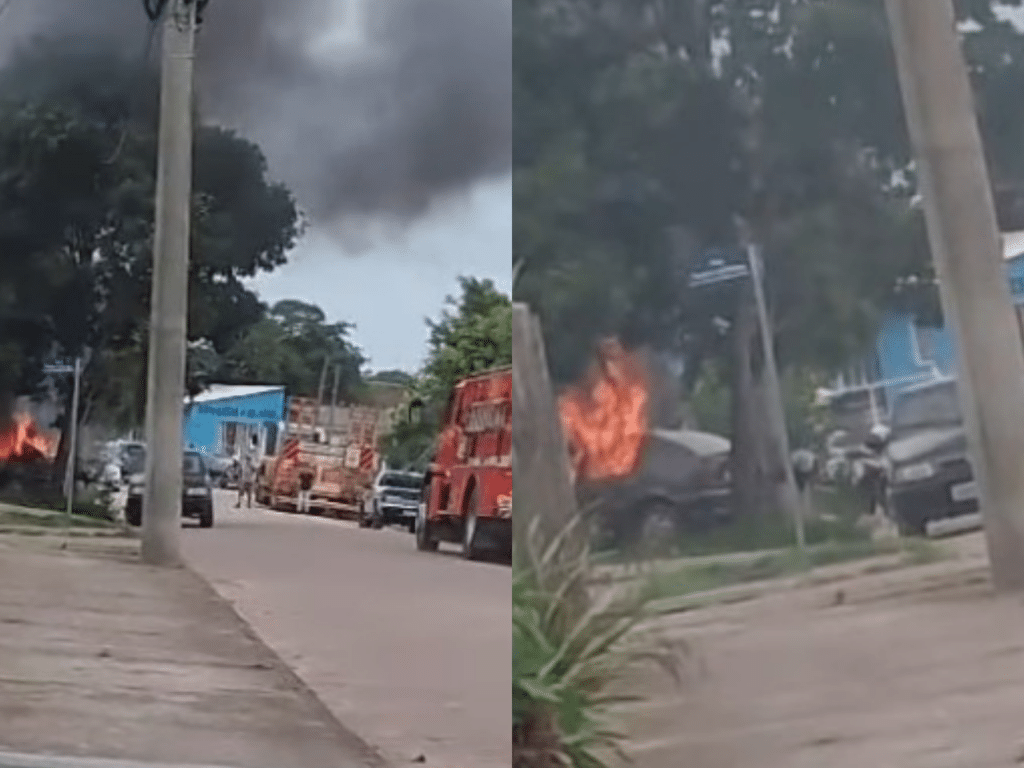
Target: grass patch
{"points": [[49, 519], [693, 578], [835, 523]]}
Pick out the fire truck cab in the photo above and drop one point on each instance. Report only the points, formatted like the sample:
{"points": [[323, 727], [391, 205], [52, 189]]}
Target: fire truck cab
{"points": [[467, 492]]}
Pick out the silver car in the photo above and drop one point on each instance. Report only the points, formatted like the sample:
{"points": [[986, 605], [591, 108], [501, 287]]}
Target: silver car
{"points": [[394, 500]]}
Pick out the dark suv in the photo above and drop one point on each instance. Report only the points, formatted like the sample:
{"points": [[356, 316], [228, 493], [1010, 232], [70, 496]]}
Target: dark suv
{"points": [[930, 476], [196, 493]]}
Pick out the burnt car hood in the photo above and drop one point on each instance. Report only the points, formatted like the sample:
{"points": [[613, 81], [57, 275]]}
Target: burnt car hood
{"points": [[925, 443]]}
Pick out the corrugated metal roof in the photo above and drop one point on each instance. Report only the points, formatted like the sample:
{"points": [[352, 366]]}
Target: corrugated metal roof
{"points": [[230, 391]]}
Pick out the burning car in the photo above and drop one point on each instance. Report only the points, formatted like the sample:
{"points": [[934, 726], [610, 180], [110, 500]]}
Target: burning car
{"points": [[27, 452], [682, 485], [640, 485]]}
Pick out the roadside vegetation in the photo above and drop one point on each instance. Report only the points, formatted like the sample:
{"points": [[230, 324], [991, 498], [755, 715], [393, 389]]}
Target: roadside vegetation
{"points": [[569, 653]]}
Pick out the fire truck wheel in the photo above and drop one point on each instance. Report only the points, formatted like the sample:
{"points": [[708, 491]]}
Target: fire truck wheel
{"points": [[425, 541], [470, 529]]}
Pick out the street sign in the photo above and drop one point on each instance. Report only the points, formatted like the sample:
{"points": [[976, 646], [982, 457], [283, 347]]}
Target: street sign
{"points": [[720, 265], [58, 369]]}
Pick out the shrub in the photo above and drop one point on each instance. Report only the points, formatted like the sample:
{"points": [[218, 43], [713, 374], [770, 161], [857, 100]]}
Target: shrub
{"points": [[569, 654]]}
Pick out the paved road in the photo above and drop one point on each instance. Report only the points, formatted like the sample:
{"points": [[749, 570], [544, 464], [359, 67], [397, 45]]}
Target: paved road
{"points": [[411, 650]]}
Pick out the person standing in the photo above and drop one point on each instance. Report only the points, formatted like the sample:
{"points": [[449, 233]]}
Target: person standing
{"points": [[246, 476], [307, 475]]}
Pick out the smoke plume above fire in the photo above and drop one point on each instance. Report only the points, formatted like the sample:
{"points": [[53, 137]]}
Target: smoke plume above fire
{"points": [[411, 107]]}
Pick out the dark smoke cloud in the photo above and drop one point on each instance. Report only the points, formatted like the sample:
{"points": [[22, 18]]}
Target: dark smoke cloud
{"points": [[387, 130]]}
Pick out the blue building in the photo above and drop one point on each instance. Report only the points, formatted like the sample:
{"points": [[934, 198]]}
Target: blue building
{"points": [[906, 352], [225, 418]]}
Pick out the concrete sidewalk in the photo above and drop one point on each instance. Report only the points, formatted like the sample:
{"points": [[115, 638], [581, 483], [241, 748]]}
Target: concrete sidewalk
{"points": [[104, 658]]}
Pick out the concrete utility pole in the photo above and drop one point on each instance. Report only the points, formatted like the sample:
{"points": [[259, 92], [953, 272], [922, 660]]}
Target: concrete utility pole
{"points": [[965, 244], [779, 437], [161, 518]]}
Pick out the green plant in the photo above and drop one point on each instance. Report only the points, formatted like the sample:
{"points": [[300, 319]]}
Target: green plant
{"points": [[570, 653]]}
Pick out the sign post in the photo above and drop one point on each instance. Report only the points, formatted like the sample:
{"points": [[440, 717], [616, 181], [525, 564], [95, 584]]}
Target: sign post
{"points": [[721, 266]]}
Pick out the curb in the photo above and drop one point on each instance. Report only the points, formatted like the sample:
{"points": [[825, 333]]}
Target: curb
{"points": [[370, 755], [11, 760]]}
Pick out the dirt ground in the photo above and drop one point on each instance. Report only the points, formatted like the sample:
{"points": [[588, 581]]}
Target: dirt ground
{"points": [[919, 668]]}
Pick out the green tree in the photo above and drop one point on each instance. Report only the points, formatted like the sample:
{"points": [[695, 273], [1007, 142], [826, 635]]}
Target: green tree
{"points": [[291, 346], [472, 334], [650, 127], [78, 148]]}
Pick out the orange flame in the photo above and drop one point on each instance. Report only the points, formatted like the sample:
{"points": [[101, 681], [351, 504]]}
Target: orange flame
{"points": [[23, 441], [606, 420]]}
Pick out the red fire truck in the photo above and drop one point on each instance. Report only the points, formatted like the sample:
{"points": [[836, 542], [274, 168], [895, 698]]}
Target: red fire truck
{"points": [[342, 446], [467, 495]]}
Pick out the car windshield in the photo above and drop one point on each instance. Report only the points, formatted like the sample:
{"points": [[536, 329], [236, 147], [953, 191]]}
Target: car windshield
{"points": [[193, 464], [934, 406], [401, 481]]}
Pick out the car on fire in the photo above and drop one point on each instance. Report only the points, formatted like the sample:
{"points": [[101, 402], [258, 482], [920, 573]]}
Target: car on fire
{"points": [[196, 492], [682, 485], [394, 500]]}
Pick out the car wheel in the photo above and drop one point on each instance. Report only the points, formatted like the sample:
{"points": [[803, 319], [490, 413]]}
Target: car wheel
{"points": [[364, 518], [133, 514], [376, 519], [471, 527], [206, 517], [425, 541], [412, 526]]}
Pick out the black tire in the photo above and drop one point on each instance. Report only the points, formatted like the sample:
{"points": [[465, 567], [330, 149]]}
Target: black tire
{"points": [[471, 527], [133, 513], [412, 526], [364, 519], [206, 517], [425, 541], [376, 519]]}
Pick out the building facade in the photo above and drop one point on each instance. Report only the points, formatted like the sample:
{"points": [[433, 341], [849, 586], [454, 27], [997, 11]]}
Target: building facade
{"points": [[226, 418], [906, 352]]}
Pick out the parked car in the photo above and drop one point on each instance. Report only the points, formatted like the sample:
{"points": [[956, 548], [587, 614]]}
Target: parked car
{"points": [[394, 500], [196, 493], [929, 471], [220, 467], [683, 485]]}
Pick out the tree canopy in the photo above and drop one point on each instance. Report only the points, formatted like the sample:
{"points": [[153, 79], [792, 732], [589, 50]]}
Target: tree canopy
{"points": [[650, 130], [645, 129], [472, 334], [293, 345], [77, 176]]}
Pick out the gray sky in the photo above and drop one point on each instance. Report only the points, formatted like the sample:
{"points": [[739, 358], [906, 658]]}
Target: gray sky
{"points": [[388, 290]]}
